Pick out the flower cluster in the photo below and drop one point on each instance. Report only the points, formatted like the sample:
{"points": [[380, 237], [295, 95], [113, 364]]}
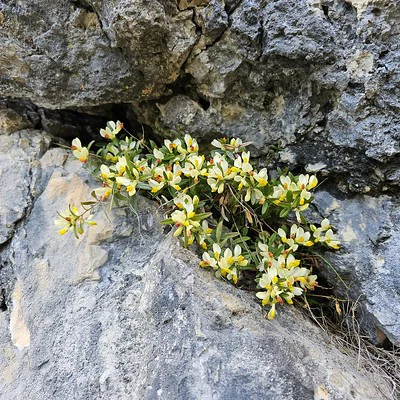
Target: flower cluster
{"points": [[225, 264], [233, 211], [187, 220], [281, 278], [72, 220]]}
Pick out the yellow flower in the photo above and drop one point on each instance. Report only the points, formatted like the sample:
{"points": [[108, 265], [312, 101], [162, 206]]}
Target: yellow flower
{"points": [[111, 130], [81, 153], [128, 183]]}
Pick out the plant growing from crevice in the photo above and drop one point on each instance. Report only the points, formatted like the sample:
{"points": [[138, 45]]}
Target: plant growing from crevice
{"points": [[245, 224]]}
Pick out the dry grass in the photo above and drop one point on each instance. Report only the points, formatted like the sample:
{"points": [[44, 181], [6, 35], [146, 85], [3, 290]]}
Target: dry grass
{"points": [[338, 318]]}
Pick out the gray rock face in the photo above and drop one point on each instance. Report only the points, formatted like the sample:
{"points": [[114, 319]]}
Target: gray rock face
{"points": [[78, 53], [318, 78], [19, 155], [125, 313], [368, 262]]}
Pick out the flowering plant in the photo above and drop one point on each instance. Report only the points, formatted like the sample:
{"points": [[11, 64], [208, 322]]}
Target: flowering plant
{"points": [[237, 215]]}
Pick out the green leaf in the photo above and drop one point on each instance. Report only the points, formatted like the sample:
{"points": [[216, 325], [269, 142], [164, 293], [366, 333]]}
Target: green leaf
{"points": [[296, 202], [153, 145], [133, 200], [274, 238], [241, 239], [264, 208], [284, 213], [129, 165], [218, 231], [201, 216], [230, 155], [88, 203], [143, 185], [76, 231], [120, 196], [167, 221], [230, 235], [90, 144], [302, 217]]}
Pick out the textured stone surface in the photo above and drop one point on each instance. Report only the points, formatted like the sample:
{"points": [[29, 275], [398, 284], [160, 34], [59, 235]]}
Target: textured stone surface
{"points": [[288, 70], [368, 261], [19, 154], [125, 313], [318, 78], [88, 53]]}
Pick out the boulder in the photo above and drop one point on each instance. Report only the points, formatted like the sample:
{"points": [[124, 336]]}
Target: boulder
{"points": [[312, 83], [126, 313], [86, 53], [367, 262]]}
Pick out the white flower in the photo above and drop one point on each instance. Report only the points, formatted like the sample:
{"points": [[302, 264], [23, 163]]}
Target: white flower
{"points": [[171, 146], [191, 144], [102, 193], [242, 163], [261, 177], [166, 176], [238, 258], [289, 241], [208, 261], [302, 237], [219, 174], [81, 153], [307, 182], [76, 144], [111, 130], [159, 155], [121, 165], [128, 183], [233, 275], [331, 239], [325, 224], [105, 172], [268, 281], [287, 183], [193, 166], [216, 251], [272, 312]]}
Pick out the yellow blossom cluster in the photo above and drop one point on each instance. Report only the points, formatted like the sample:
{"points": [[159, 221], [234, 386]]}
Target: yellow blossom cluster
{"points": [[234, 212]]}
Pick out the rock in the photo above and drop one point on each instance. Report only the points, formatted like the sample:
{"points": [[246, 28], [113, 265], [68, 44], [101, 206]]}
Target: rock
{"points": [[10, 121], [124, 313], [318, 77], [19, 154], [369, 229], [313, 84], [86, 53]]}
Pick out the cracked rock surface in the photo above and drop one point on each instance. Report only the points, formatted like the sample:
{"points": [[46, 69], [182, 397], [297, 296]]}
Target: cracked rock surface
{"points": [[368, 261], [314, 84], [126, 313], [19, 154]]}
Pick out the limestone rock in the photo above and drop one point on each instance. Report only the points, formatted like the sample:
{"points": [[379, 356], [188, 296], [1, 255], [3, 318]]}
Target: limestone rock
{"points": [[125, 313], [370, 233], [318, 77], [78, 53], [316, 81], [19, 154]]}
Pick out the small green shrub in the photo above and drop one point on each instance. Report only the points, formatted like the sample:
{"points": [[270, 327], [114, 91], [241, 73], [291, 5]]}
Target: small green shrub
{"points": [[236, 215]]}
